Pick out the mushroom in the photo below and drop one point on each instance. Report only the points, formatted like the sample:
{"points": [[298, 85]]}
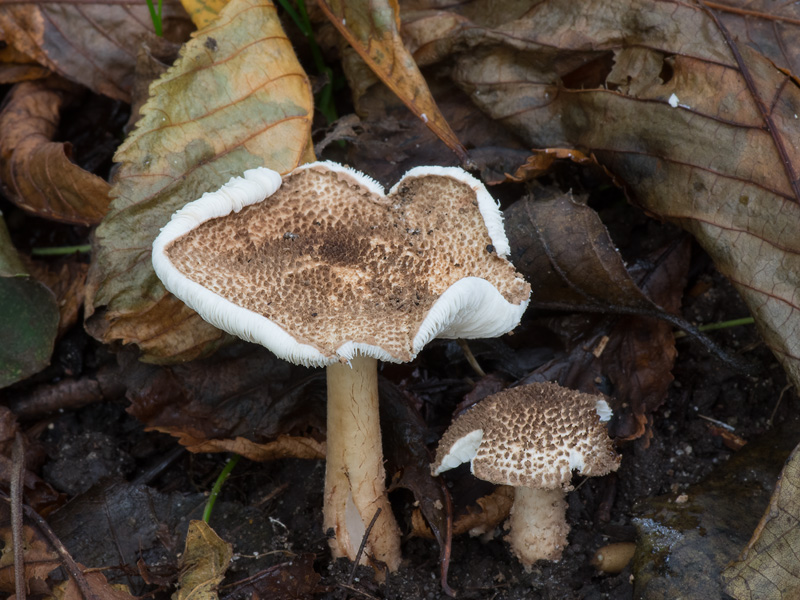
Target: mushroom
{"points": [[532, 437], [324, 269]]}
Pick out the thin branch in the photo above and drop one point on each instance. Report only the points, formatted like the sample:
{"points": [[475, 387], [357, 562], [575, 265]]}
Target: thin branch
{"points": [[361, 547], [17, 473]]}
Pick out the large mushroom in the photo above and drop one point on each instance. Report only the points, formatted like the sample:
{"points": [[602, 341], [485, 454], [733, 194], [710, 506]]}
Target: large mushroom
{"points": [[532, 437], [324, 269]]}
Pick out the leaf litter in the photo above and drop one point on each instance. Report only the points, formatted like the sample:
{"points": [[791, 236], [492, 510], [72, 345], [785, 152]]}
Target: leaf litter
{"points": [[689, 109]]}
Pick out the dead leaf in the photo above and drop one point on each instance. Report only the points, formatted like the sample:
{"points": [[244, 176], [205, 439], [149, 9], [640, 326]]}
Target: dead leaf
{"points": [[38, 558], [705, 141], [540, 162], [242, 400], [562, 247], [116, 523], [36, 172], [203, 563], [373, 30], [285, 446], [28, 317], [90, 43], [236, 99], [768, 568], [16, 66], [97, 584], [67, 280], [484, 517], [292, 580]]}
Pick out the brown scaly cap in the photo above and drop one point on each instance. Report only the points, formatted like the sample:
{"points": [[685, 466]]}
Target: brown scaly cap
{"points": [[336, 268], [533, 436]]}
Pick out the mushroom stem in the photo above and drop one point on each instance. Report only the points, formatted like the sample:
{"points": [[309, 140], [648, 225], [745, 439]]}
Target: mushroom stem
{"points": [[354, 475], [538, 525]]}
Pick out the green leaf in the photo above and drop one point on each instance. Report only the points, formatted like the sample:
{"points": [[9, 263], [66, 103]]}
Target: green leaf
{"points": [[28, 318]]}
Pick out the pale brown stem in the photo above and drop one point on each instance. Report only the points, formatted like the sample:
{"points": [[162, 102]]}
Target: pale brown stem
{"points": [[538, 525], [354, 475]]}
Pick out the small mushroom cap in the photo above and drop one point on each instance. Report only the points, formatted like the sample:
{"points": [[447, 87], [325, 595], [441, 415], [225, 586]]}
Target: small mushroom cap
{"points": [[323, 266], [533, 436]]}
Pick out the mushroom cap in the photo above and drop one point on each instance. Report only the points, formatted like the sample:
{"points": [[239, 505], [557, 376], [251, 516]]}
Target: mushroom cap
{"points": [[323, 265], [531, 436]]}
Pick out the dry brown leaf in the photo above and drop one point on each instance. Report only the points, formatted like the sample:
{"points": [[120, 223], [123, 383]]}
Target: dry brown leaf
{"points": [[242, 400], [702, 134], [540, 162], [203, 563], [90, 43], [490, 512], [372, 28], [15, 66], [38, 558], [236, 99], [97, 584], [36, 172], [285, 446], [768, 568]]}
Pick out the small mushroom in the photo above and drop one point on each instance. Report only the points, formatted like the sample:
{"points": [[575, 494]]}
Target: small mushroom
{"points": [[324, 269], [532, 437]]}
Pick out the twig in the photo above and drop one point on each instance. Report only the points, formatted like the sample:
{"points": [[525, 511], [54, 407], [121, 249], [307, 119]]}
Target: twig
{"points": [[17, 472], [361, 547], [444, 554], [777, 404]]}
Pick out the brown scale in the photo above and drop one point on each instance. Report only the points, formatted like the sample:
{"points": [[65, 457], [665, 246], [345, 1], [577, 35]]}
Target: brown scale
{"points": [[328, 279]]}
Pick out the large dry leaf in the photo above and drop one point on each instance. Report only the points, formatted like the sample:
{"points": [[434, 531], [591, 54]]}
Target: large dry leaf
{"points": [[698, 129], [768, 569], [373, 29], [90, 43], [236, 99], [36, 172]]}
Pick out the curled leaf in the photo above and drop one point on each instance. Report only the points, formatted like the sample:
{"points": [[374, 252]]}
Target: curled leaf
{"points": [[36, 172]]}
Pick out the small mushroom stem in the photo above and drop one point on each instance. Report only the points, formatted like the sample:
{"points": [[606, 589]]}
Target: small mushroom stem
{"points": [[355, 485], [538, 525]]}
